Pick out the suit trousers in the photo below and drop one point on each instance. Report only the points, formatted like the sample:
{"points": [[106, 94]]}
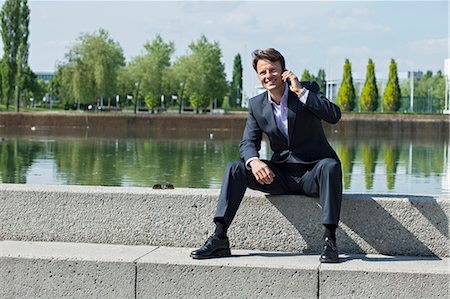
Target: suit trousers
{"points": [[322, 179]]}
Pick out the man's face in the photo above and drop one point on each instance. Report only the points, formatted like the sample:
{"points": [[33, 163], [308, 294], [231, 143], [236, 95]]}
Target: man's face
{"points": [[269, 74]]}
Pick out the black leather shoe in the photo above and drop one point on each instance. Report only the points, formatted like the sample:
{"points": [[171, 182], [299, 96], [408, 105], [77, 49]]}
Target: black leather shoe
{"points": [[330, 252], [213, 247]]}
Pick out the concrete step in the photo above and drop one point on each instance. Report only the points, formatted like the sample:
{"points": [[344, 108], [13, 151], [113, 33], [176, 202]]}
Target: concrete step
{"points": [[415, 225], [79, 270]]}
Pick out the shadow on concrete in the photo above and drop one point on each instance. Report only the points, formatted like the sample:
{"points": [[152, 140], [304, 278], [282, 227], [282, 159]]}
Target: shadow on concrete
{"points": [[304, 213], [369, 223], [363, 257], [271, 254], [431, 210]]}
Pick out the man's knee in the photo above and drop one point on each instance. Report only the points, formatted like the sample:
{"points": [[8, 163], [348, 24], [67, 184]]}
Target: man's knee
{"points": [[330, 166], [236, 166]]}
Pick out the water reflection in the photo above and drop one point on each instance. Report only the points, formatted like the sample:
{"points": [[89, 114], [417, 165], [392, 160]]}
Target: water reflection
{"points": [[381, 165]]}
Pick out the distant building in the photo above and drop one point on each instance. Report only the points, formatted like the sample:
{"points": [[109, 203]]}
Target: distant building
{"points": [[45, 76]]}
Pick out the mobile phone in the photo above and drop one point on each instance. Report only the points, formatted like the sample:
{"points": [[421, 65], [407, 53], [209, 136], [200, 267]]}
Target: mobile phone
{"points": [[288, 81]]}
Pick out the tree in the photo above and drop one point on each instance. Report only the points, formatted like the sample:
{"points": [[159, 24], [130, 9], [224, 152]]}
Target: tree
{"points": [[369, 95], [91, 68], [346, 94], [391, 97], [431, 87], [307, 76], [236, 83], [321, 80], [202, 73], [15, 18], [23, 50], [151, 70], [32, 87]]}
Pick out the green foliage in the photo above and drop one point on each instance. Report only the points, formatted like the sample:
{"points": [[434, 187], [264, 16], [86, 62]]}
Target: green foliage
{"points": [[391, 97], [428, 87], [15, 18], [369, 156], [202, 73], [391, 157], [236, 83], [321, 80], [369, 95], [432, 86], [347, 155], [346, 94], [91, 69], [16, 158], [307, 76], [151, 70]]}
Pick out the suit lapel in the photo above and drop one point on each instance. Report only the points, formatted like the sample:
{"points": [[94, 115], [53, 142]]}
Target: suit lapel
{"points": [[268, 115], [292, 105]]}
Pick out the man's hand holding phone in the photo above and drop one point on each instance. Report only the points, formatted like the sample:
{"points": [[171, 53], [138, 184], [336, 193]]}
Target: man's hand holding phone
{"points": [[292, 80], [262, 172]]}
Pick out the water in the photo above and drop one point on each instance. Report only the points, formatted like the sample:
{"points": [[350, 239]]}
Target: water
{"points": [[371, 163]]}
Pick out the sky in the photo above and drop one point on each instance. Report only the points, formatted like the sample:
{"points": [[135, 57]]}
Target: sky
{"points": [[310, 34]]}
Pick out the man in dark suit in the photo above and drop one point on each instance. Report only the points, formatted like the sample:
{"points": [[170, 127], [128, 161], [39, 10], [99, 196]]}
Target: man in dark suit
{"points": [[290, 113]]}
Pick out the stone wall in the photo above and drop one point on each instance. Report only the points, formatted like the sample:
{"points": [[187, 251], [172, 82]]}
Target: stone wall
{"points": [[414, 225]]}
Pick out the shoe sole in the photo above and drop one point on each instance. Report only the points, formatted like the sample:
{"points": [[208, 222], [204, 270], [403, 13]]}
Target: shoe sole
{"points": [[329, 261], [220, 253]]}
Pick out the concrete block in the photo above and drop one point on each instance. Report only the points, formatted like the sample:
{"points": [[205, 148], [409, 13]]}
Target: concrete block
{"points": [[61, 270], [171, 273], [376, 276], [370, 223], [76, 270]]}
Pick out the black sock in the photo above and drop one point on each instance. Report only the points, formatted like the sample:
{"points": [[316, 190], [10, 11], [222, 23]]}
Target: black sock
{"points": [[330, 231], [221, 229]]}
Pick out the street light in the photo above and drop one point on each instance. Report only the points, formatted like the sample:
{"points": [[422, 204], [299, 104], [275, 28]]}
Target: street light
{"points": [[136, 97], [181, 97], [430, 99]]}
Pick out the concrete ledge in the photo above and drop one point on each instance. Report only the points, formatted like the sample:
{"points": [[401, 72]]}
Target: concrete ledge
{"points": [[54, 270], [376, 276], [170, 272], [370, 223]]}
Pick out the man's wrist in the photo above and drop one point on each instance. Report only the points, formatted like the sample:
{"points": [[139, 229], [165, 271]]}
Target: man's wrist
{"points": [[303, 95], [247, 163]]}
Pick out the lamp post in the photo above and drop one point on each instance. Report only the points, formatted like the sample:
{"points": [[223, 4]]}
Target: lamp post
{"points": [[430, 99], [180, 107], [17, 99], [136, 97]]}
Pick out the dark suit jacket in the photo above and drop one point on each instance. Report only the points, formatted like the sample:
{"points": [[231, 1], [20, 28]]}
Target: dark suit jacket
{"points": [[307, 142]]}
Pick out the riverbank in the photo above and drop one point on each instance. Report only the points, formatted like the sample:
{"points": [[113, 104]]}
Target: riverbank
{"points": [[123, 124]]}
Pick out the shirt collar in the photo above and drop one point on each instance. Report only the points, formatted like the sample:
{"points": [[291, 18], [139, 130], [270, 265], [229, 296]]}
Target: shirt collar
{"points": [[283, 98]]}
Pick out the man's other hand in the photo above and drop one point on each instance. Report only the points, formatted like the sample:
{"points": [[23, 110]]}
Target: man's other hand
{"points": [[262, 172]]}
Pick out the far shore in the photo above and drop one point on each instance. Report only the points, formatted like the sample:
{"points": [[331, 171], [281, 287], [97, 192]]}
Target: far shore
{"points": [[351, 124]]}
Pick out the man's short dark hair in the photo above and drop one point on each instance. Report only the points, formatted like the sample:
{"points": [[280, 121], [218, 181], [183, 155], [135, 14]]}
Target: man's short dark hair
{"points": [[268, 54]]}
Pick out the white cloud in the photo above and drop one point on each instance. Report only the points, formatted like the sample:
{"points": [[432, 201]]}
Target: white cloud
{"points": [[356, 19], [354, 23], [239, 18], [431, 46]]}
